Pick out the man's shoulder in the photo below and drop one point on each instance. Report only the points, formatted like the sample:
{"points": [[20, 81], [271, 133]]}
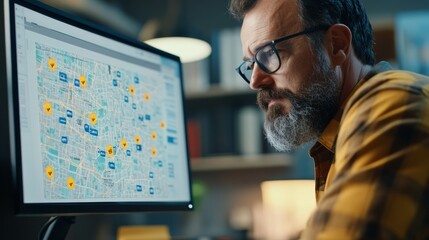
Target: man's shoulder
{"points": [[389, 105], [389, 83], [396, 79], [387, 97]]}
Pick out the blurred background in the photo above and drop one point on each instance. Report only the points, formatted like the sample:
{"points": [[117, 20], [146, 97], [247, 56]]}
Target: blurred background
{"points": [[230, 158]]}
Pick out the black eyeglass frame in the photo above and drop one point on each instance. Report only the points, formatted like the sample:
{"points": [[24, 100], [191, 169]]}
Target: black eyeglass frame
{"points": [[273, 44]]}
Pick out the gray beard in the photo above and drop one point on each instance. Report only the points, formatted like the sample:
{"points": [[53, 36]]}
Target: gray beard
{"points": [[311, 111]]}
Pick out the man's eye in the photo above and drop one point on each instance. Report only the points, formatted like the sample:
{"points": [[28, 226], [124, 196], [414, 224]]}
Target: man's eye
{"points": [[270, 52], [265, 55]]}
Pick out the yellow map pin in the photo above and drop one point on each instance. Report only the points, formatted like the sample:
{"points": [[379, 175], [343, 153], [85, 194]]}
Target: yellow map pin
{"points": [[52, 65], [83, 81], [137, 138], [147, 96], [109, 150], [48, 108], [124, 143], [153, 135], [70, 183], [153, 152], [162, 124], [132, 90], [49, 172], [93, 118]]}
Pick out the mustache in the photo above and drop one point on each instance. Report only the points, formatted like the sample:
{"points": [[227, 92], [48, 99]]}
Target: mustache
{"points": [[264, 96]]}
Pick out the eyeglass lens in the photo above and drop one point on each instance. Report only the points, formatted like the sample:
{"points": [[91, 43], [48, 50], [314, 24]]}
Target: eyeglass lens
{"points": [[267, 59], [246, 69]]}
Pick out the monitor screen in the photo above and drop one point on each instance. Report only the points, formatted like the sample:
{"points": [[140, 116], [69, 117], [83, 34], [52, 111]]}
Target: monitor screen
{"points": [[96, 120]]}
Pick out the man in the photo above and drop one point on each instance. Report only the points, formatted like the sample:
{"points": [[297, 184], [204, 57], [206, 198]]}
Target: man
{"points": [[314, 68]]}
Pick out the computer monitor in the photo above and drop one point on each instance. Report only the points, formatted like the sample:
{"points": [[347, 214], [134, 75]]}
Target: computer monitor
{"points": [[96, 120]]}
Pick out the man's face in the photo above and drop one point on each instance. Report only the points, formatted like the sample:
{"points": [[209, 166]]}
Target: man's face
{"points": [[300, 98]]}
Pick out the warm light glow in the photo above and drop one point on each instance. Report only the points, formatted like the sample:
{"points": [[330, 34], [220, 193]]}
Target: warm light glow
{"points": [[287, 205], [188, 49]]}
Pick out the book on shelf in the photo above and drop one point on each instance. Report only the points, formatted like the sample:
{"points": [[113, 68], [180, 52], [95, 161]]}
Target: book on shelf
{"points": [[194, 138], [250, 138], [228, 57]]}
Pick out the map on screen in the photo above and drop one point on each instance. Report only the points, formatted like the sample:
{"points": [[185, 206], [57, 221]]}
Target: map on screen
{"points": [[82, 116]]}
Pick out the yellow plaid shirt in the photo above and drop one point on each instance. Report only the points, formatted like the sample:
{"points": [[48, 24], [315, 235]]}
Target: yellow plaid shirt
{"points": [[372, 162]]}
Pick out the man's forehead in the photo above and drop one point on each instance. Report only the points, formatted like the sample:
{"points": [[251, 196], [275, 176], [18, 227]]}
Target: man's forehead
{"points": [[269, 19]]}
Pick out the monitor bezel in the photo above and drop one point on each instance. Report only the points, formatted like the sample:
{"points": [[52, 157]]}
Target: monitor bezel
{"points": [[22, 208]]}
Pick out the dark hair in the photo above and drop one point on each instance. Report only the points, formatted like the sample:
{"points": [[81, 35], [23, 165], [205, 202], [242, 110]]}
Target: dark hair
{"points": [[328, 12]]}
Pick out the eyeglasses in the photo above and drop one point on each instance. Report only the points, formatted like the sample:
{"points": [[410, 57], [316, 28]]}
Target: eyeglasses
{"points": [[267, 57]]}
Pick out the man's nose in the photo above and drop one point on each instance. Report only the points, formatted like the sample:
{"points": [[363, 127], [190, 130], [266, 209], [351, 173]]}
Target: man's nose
{"points": [[260, 79]]}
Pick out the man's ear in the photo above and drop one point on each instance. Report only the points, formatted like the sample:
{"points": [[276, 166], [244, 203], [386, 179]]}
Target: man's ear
{"points": [[338, 40]]}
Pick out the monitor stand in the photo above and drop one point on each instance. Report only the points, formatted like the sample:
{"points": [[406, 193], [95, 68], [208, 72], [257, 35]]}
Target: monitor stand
{"points": [[56, 228]]}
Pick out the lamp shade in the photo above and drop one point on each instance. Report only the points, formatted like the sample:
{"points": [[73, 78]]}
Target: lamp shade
{"points": [[287, 204], [188, 49]]}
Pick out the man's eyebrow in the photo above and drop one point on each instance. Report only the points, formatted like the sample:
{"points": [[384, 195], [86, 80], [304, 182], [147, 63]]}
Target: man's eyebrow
{"points": [[247, 59], [262, 45]]}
